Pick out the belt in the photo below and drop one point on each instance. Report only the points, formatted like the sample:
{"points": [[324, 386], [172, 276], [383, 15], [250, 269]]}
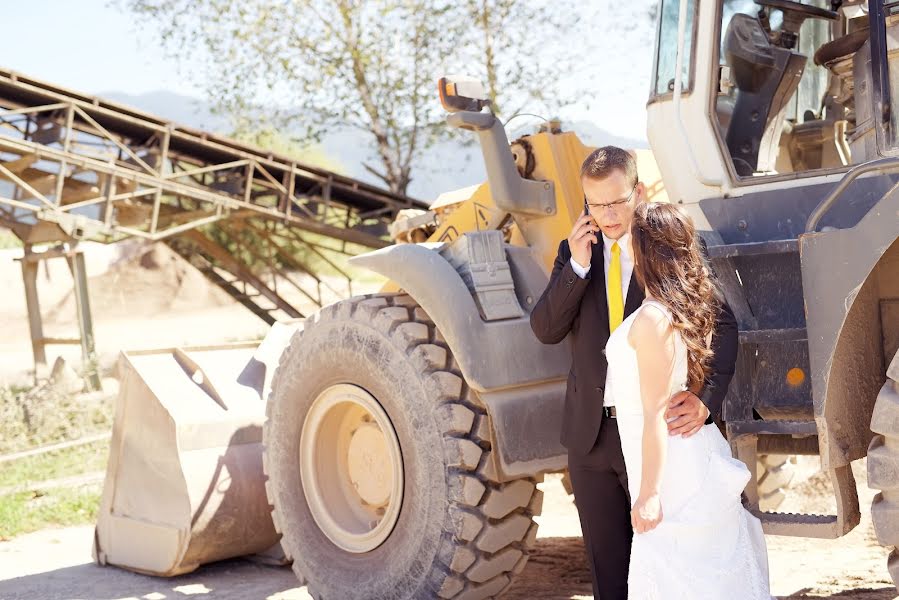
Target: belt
{"points": [[609, 411]]}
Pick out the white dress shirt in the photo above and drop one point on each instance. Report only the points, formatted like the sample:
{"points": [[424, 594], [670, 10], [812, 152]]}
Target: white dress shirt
{"points": [[627, 269]]}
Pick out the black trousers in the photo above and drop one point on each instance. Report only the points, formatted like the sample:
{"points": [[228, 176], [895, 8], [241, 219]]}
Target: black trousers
{"points": [[599, 480]]}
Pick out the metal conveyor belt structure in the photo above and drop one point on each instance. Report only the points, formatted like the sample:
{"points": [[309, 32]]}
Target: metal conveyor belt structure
{"points": [[75, 167]]}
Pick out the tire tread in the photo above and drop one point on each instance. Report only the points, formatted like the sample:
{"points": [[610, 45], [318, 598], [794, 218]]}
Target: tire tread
{"points": [[489, 529]]}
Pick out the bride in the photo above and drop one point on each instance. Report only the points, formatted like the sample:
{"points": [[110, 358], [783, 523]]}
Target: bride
{"points": [[693, 538]]}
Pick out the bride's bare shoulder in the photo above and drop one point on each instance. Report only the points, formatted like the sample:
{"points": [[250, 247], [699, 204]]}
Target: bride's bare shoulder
{"points": [[651, 326]]}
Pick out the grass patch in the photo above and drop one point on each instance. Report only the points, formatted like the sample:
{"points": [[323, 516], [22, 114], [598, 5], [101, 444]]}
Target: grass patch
{"points": [[44, 414], [25, 508], [54, 465], [33, 416], [23, 512]]}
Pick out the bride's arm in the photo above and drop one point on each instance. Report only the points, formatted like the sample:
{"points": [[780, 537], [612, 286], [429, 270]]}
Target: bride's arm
{"points": [[651, 335]]}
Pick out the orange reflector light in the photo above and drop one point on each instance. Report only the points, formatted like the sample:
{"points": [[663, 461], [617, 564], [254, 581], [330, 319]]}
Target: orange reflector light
{"points": [[795, 377]]}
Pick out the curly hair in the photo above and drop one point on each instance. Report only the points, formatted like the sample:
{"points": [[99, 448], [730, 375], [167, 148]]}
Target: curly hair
{"points": [[669, 267]]}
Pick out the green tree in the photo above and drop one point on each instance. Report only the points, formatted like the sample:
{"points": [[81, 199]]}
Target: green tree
{"points": [[522, 50], [279, 143], [311, 66]]}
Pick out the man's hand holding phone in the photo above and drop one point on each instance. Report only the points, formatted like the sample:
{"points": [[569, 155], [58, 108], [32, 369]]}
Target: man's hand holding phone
{"points": [[582, 238]]}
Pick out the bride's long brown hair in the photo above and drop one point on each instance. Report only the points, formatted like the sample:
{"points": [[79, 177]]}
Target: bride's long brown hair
{"points": [[669, 266]]}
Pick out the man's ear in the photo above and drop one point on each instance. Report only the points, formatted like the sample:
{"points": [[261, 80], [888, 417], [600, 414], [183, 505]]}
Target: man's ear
{"points": [[640, 192]]}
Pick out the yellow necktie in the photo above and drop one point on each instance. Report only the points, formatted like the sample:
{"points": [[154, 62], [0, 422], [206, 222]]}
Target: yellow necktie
{"points": [[613, 291]]}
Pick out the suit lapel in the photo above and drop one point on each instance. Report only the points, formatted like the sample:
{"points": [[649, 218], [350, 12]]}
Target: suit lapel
{"points": [[635, 297]]}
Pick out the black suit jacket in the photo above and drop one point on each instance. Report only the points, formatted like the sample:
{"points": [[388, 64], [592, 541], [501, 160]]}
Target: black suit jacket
{"points": [[579, 307]]}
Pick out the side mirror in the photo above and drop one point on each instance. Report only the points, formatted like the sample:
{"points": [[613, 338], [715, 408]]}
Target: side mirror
{"points": [[465, 98], [460, 93]]}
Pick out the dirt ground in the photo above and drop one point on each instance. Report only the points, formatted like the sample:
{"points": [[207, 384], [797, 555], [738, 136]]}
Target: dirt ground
{"points": [[141, 296], [132, 288], [153, 301], [56, 564]]}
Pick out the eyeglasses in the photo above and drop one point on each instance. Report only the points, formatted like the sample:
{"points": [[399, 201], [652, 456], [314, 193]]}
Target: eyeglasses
{"points": [[613, 205]]}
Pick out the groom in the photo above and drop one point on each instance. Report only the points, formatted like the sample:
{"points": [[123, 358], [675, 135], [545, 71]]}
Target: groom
{"points": [[591, 291]]}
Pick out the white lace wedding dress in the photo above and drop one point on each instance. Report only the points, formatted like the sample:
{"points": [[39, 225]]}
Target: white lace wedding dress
{"points": [[707, 545]]}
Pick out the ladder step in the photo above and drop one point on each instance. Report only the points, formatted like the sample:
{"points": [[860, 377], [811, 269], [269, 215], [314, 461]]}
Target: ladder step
{"points": [[726, 251], [800, 428], [816, 526], [768, 336], [792, 518]]}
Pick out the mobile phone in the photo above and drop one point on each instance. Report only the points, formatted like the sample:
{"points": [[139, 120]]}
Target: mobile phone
{"points": [[586, 208]]}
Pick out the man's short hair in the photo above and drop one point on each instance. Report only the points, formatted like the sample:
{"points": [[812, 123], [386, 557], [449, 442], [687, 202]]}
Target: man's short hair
{"points": [[603, 161]]}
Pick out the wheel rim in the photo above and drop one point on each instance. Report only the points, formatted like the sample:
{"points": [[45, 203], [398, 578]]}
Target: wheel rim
{"points": [[351, 468]]}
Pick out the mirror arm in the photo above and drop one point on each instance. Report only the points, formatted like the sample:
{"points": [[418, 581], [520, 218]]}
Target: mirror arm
{"points": [[509, 190]]}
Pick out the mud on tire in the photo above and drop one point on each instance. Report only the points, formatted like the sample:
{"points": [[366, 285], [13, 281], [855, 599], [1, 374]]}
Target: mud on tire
{"points": [[774, 473]]}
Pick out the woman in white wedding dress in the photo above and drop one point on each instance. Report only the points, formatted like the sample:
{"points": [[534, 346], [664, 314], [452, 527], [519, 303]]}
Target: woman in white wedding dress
{"points": [[693, 539]]}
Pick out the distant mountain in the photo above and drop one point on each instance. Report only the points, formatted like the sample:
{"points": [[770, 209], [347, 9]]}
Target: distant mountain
{"points": [[446, 166], [180, 109]]}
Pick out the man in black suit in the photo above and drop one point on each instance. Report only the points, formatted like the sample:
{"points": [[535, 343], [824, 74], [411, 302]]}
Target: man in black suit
{"points": [[590, 292]]}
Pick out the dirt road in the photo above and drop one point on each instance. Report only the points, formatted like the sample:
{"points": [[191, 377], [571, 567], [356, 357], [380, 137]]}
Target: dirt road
{"points": [[56, 564]]}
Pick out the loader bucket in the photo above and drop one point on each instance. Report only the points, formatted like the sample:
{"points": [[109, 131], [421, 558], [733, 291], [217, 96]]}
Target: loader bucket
{"points": [[184, 482]]}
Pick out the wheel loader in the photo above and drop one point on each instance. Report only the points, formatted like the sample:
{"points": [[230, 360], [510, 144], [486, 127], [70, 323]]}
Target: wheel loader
{"points": [[390, 445]]}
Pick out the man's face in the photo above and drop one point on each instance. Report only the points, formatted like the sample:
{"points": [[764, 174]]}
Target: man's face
{"points": [[604, 198]]}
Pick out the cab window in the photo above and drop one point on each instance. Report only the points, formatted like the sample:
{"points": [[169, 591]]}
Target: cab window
{"points": [[785, 102], [666, 47]]}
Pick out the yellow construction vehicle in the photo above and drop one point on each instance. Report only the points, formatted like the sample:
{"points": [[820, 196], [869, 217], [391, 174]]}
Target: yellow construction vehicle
{"points": [[403, 433], [201, 410]]}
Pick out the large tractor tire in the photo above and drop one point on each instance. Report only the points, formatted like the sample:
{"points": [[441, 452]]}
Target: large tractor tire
{"points": [[883, 467], [379, 463], [774, 473]]}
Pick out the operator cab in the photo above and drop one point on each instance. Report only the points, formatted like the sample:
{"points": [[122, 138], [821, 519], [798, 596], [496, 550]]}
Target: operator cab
{"points": [[793, 84]]}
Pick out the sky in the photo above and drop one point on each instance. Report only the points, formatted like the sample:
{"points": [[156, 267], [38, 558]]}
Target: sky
{"points": [[88, 46], [92, 46]]}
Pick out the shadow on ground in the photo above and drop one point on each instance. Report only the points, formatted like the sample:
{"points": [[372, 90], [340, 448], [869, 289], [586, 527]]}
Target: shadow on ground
{"points": [[226, 580], [557, 570]]}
